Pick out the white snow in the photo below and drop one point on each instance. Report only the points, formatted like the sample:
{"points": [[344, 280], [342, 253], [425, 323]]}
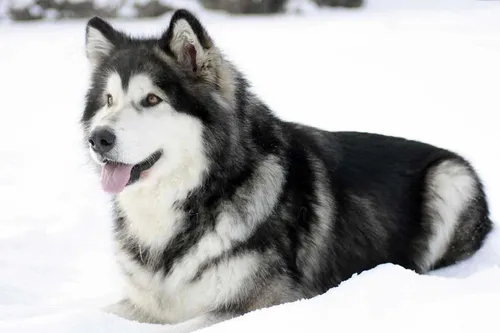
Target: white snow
{"points": [[420, 69]]}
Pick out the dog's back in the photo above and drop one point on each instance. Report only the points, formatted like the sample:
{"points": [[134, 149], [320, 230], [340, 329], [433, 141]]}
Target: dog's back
{"points": [[395, 200]]}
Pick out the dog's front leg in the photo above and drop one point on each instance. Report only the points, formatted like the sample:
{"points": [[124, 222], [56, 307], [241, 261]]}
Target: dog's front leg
{"points": [[126, 310], [197, 323]]}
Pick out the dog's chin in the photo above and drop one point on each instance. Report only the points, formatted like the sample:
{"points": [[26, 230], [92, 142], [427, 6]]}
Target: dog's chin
{"points": [[116, 175]]}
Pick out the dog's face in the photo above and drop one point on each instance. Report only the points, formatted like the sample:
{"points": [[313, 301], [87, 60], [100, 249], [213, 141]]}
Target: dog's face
{"points": [[151, 101]]}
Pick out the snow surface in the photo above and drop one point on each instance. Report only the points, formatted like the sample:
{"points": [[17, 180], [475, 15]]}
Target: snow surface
{"points": [[424, 70]]}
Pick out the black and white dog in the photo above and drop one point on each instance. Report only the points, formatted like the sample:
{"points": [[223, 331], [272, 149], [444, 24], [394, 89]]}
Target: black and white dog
{"points": [[221, 208]]}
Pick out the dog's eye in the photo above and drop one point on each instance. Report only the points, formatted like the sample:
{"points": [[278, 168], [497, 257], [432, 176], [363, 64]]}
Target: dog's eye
{"points": [[151, 100], [110, 100]]}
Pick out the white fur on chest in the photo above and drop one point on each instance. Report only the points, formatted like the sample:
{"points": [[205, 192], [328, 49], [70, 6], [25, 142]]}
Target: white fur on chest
{"points": [[176, 298], [179, 296], [150, 206], [151, 216]]}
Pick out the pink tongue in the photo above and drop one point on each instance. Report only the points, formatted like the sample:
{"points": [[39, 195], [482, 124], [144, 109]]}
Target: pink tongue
{"points": [[114, 177]]}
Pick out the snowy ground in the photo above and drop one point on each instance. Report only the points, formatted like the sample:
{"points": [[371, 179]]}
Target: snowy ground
{"points": [[423, 71]]}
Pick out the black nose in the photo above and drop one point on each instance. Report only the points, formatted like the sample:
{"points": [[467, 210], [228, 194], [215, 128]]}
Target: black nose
{"points": [[102, 140]]}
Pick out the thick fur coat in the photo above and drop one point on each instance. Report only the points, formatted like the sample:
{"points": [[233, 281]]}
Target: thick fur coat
{"points": [[222, 208]]}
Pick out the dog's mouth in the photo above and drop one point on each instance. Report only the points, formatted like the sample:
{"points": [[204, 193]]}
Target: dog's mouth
{"points": [[116, 175]]}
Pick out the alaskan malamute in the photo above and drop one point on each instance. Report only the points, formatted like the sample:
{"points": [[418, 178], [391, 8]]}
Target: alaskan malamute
{"points": [[222, 208]]}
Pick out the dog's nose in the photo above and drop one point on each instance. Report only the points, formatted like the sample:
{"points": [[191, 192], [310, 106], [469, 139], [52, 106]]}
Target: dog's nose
{"points": [[102, 140]]}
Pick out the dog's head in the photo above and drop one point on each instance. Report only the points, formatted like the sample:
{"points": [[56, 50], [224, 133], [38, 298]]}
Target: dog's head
{"points": [[154, 104]]}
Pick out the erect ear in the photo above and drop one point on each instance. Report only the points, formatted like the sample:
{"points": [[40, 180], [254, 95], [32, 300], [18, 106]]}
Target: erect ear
{"points": [[100, 40], [188, 42]]}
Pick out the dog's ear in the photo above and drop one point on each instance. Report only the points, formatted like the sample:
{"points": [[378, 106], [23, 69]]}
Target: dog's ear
{"points": [[188, 42], [100, 40]]}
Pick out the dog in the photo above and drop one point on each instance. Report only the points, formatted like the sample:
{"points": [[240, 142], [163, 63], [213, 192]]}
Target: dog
{"points": [[221, 208]]}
